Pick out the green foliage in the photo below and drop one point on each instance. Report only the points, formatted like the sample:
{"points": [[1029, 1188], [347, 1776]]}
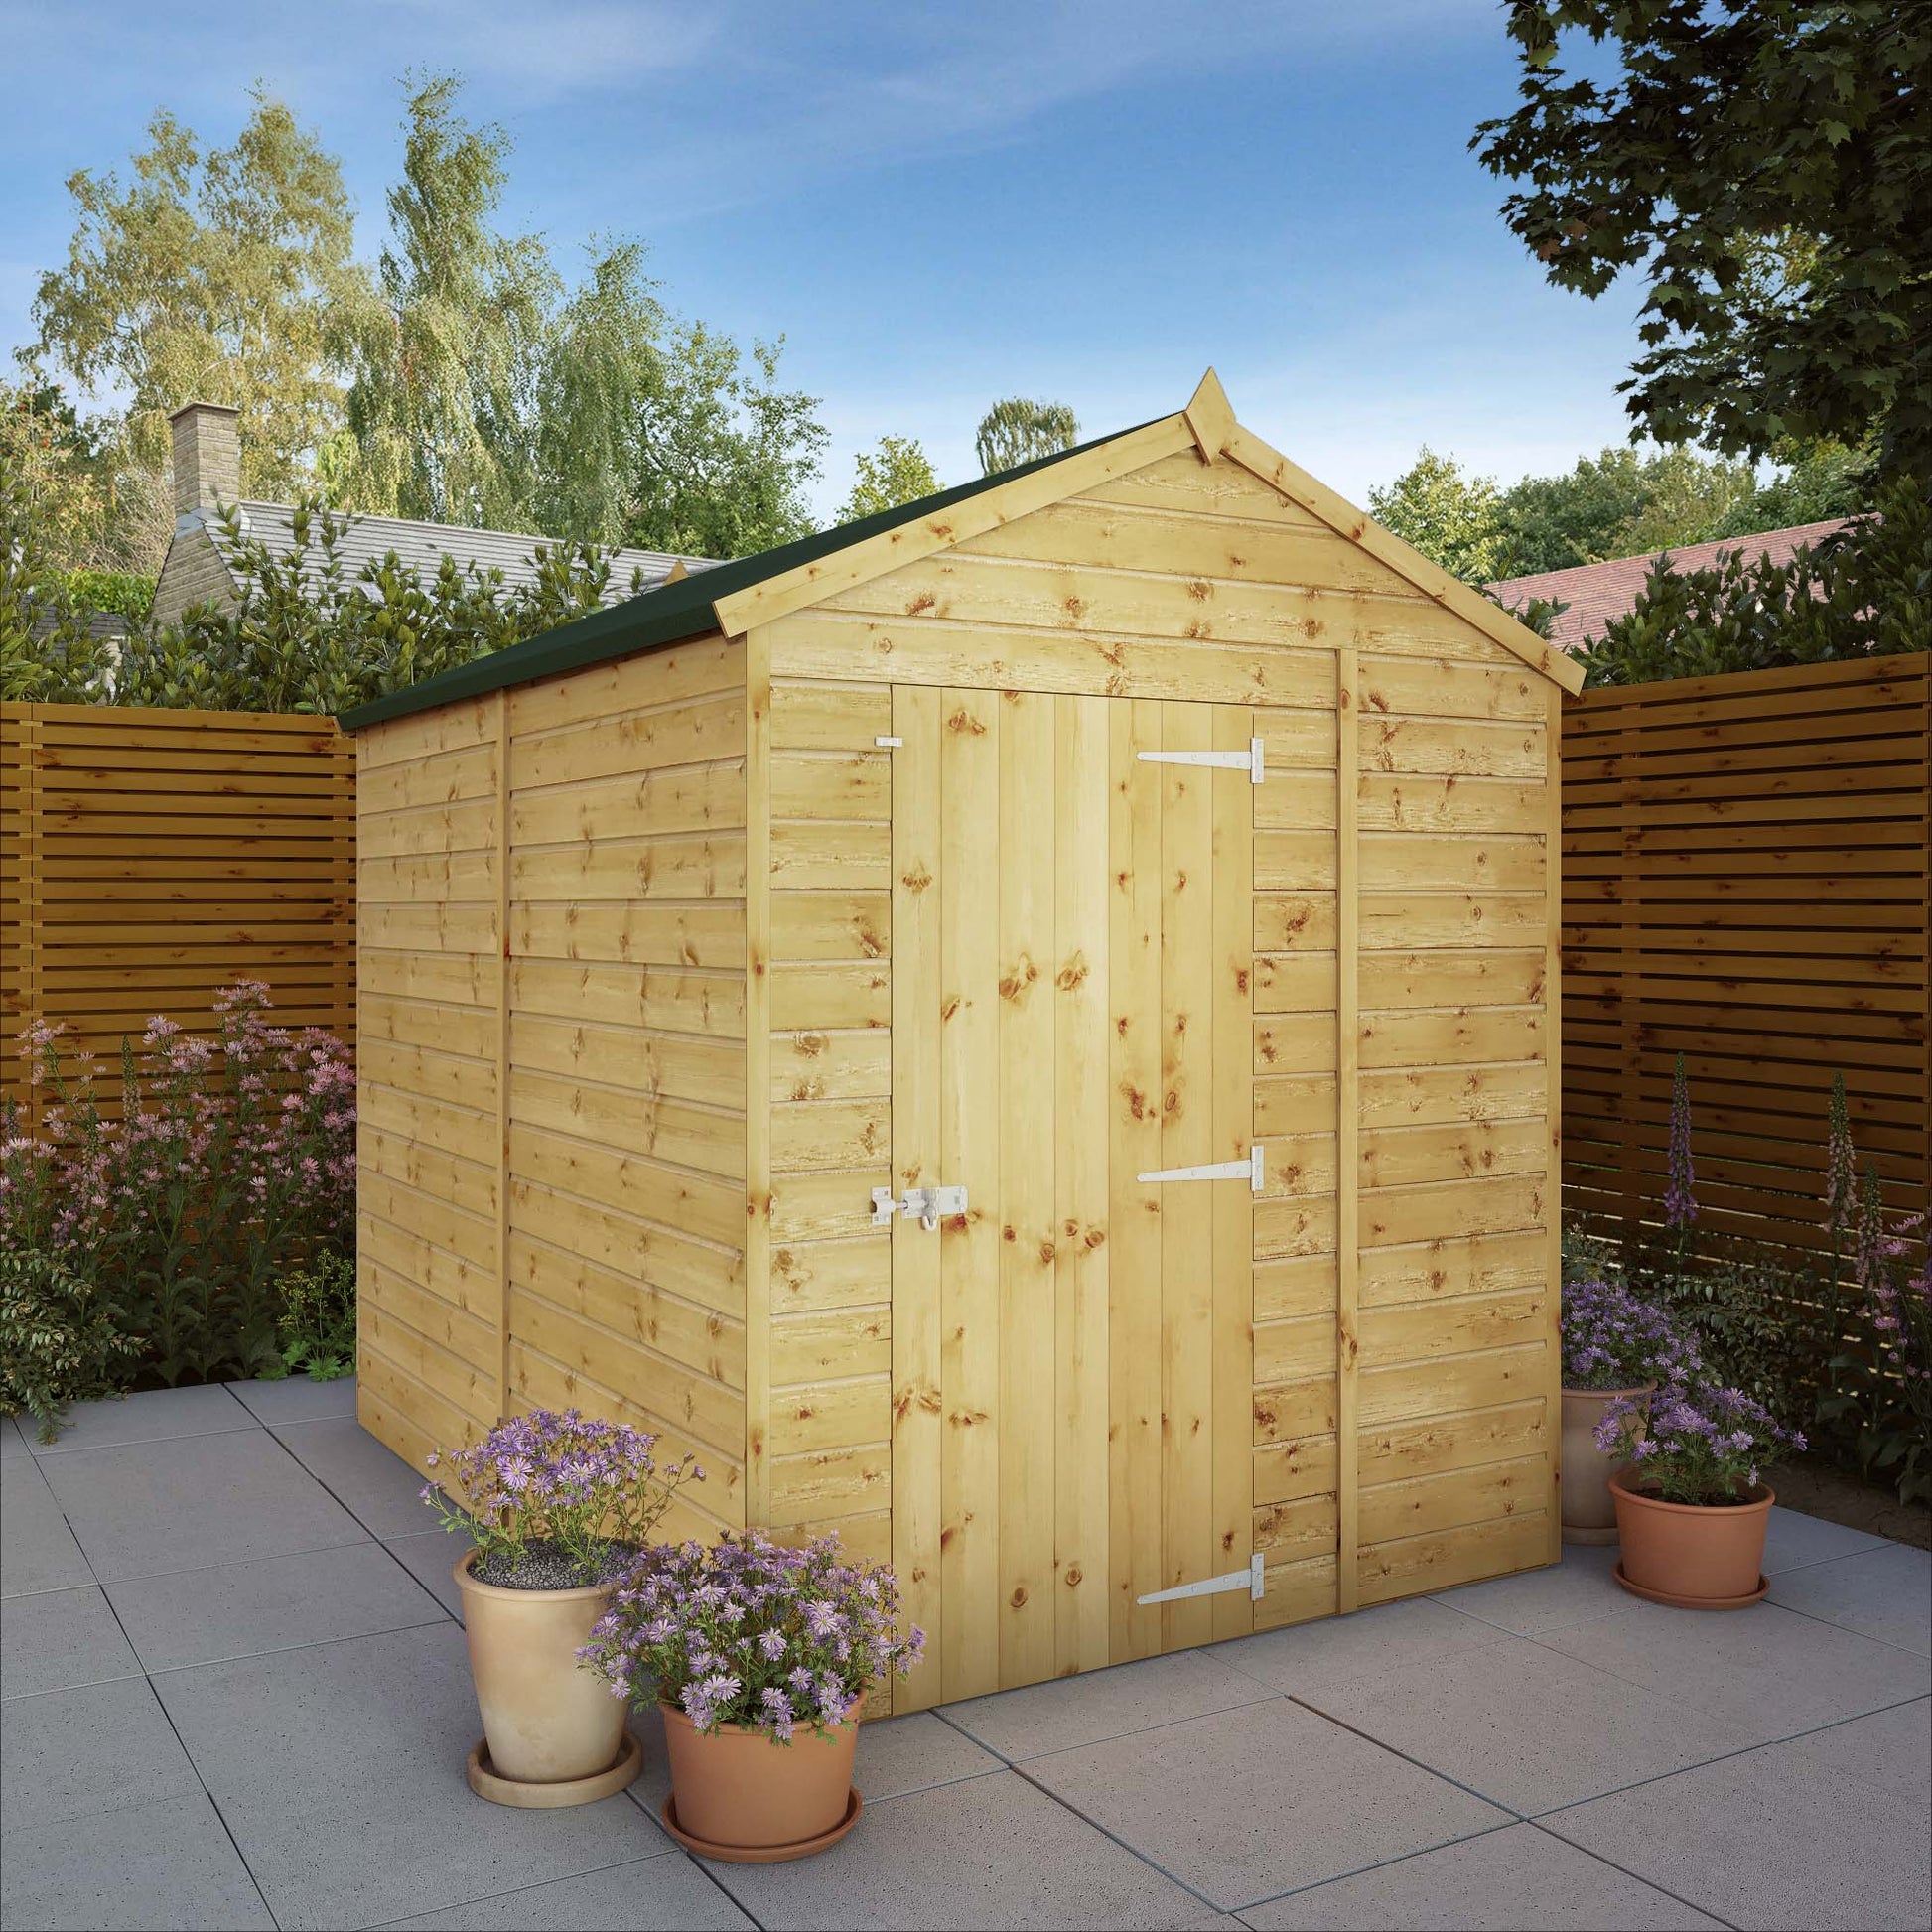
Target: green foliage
{"points": [[304, 634], [1865, 590], [1454, 520], [47, 654], [896, 471], [1018, 430], [59, 1342], [1765, 168], [318, 1321], [220, 275], [125, 591]]}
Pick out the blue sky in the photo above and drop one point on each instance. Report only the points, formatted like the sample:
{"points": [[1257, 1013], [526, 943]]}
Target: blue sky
{"points": [[938, 207]]}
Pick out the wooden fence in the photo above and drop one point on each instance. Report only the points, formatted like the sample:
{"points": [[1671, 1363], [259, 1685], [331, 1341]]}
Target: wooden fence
{"points": [[1745, 882], [149, 858]]}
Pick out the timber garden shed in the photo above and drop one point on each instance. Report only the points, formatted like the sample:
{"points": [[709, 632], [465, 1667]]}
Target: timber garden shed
{"points": [[1022, 1030]]}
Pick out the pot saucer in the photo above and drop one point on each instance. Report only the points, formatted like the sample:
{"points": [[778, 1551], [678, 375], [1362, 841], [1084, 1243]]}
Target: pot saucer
{"points": [[761, 1854], [486, 1782], [1674, 1602]]}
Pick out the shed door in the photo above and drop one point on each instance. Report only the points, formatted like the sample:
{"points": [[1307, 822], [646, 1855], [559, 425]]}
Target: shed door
{"points": [[1072, 1362]]}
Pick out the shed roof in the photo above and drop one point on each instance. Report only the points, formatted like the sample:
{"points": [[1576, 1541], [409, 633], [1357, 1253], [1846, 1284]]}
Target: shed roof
{"points": [[729, 596]]}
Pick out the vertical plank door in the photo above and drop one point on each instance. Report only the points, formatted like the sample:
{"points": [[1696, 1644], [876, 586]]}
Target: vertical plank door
{"points": [[1073, 1356]]}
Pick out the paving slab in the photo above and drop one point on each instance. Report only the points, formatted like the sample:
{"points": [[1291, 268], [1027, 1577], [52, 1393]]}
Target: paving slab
{"points": [[151, 1868], [1572, 1591], [429, 1557], [912, 1753], [665, 1893], [37, 1550], [380, 1490], [339, 1770], [1528, 1727], [1336, 1649], [1501, 1881], [152, 1416], [1799, 1834], [60, 1639], [95, 1749], [990, 1852], [1793, 1539], [295, 1398], [1105, 1704], [12, 1442], [1884, 1593], [1246, 1804], [1765, 1670], [193, 1503], [240, 1609]]}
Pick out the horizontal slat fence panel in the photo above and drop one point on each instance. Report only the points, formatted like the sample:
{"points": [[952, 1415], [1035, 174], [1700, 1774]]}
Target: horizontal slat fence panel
{"points": [[149, 858], [1746, 882]]}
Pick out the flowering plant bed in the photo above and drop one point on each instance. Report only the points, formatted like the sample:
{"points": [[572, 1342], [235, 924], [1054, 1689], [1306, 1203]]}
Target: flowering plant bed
{"points": [[554, 1501], [753, 1633]]}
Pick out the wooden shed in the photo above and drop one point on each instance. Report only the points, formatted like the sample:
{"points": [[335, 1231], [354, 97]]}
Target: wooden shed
{"points": [[1142, 849]]}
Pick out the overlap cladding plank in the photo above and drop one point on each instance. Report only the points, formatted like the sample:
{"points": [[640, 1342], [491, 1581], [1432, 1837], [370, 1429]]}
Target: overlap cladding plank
{"points": [[1746, 879], [150, 858]]}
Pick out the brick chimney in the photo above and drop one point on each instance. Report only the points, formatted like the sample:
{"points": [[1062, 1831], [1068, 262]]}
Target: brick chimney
{"points": [[207, 456]]}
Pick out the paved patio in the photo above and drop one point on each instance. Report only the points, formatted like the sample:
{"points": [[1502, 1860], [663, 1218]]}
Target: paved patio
{"points": [[235, 1695]]}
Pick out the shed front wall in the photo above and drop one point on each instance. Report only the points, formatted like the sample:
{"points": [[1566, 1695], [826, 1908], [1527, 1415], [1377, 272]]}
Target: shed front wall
{"points": [[1403, 1030], [552, 1143]]}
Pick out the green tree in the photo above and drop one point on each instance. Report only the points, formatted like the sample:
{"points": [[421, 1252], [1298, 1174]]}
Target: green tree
{"points": [[448, 361], [215, 275], [47, 654], [1454, 520], [896, 471], [1619, 504], [1018, 431], [1820, 480], [1765, 168]]}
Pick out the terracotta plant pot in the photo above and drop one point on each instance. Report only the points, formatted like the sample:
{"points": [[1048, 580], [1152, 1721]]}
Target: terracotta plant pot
{"points": [[1695, 1557], [1588, 1513], [738, 1793], [547, 1719]]}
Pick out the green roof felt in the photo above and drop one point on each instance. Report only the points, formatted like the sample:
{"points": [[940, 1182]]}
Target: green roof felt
{"points": [[670, 615]]}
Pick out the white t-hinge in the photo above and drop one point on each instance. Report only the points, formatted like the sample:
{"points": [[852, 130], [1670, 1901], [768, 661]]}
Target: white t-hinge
{"points": [[1249, 1170], [1251, 1579], [1247, 760]]}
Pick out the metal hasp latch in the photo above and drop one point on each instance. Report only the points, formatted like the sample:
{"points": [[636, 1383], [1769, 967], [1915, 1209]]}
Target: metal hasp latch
{"points": [[1249, 1580], [926, 1206], [1247, 760], [1249, 1170]]}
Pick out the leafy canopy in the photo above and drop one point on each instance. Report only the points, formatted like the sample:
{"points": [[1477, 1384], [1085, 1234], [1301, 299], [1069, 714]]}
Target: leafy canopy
{"points": [[1454, 520], [896, 471], [1018, 431], [1766, 165]]}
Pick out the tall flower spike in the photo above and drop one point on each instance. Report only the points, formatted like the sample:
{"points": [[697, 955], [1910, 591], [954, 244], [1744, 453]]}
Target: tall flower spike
{"points": [[1840, 1164], [1680, 1199]]}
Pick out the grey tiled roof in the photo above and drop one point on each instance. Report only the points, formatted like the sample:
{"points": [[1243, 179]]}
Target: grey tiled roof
{"points": [[370, 538]]}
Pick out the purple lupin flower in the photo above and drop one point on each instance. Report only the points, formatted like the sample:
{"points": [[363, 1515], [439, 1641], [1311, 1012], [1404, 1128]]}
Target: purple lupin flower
{"points": [[1680, 1199]]}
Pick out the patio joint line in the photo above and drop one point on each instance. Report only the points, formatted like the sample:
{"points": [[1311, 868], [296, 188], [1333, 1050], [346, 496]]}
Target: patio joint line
{"points": [[516, 1892], [215, 1804], [1725, 1757], [1590, 1851], [1379, 1865], [287, 1649], [1382, 1744], [1020, 1771], [1831, 1623]]}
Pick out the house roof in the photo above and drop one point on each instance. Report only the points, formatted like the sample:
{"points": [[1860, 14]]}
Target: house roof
{"points": [[423, 546], [1597, 593], [730, 597]]}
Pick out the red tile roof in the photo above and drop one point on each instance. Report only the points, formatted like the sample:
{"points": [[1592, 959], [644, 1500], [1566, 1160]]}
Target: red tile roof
{"points": [[1597, 593]]}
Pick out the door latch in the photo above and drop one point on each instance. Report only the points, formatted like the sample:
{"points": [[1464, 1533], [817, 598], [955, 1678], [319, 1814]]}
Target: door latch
{"points": [[926, 1206]]}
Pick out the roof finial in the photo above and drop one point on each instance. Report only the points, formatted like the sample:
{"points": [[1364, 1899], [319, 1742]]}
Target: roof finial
{"points": [[1211, 416]]}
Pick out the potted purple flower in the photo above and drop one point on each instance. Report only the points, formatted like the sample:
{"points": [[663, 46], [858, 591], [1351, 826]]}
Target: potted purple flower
{"points": [[1616, 1348], [558, 1506], [1692, 1504], [759, 1656]]}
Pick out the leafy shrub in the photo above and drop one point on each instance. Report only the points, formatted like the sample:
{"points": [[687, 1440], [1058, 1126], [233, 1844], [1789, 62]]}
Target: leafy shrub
{"points": [[318, 1320], [1704, 1446], [231, 1164], [125, 591], [59, 1342]]}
